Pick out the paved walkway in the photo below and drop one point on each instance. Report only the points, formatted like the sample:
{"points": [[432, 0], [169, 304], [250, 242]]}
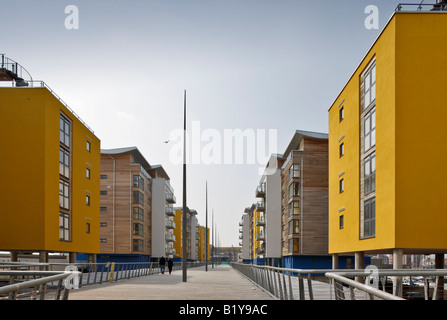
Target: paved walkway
{"points": [[219, 283]]}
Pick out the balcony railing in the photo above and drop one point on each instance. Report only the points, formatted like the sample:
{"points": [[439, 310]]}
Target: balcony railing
{"points": [[170, 211], [260, 221], [170, 198], [170, 224], [260, 206], [260, 191], [260, 236], [170, 237]]}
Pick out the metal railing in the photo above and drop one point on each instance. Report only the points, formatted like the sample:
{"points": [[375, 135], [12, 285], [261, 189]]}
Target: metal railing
{"points": [[289, 283], [379, 277], [86, 273], [15, 68], [22, 287], [412, 7]]}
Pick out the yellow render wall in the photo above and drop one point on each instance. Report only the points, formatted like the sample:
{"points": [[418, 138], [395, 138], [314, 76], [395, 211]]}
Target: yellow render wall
{"points": [[30, 192], [22, 165], [348, 238], [421, 153], [81, 186]]}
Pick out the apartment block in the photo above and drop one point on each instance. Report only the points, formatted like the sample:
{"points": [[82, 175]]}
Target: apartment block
{"points": [[269, 205], [192, 235], [49, 150], [126, 206], [163, 213], [305, 201], [386, 151]]}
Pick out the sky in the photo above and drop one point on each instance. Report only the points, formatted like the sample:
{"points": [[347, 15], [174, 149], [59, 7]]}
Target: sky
{"points": [[252, 65]]}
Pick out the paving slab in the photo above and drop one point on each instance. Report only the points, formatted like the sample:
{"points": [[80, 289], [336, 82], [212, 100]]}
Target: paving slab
{"points": [[219, 283]]}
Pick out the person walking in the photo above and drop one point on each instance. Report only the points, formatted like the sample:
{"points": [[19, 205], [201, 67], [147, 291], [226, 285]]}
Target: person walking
{"points": [[162, 263], [170, 263]]}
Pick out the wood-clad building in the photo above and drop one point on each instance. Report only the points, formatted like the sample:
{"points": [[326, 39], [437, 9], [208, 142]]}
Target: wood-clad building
{"points": [[304, 196], [125, 205]]}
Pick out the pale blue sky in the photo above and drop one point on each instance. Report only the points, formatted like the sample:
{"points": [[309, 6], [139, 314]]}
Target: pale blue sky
{"points": [[264, 64]]}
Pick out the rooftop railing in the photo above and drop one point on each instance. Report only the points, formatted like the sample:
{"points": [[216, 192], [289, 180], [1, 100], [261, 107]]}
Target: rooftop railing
{"points": [[422, 7], [42, 84]]}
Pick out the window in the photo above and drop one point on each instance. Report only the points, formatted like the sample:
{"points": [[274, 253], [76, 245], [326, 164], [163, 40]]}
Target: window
{"points": [[369, 221], [138, 213], [87, 173], [138, 229], [342, 222], [294, 226], [341, 114], [65, 131], [102, 208], [294, 189], [103, 176], [342, 185], [138, 182], [138, 197], [370, 173], [64, 162], [87, 200], [64, 194], [370, 129], [88, 146], [294, 208], [87, 227], [294, 245], [64, 226], [103, 192], [103, 224], [341, 149], [294, 171], [137, 245], [369, 84]]}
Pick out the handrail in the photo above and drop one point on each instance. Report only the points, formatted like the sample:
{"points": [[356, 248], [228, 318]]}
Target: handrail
{"points": [[269, 277], [363, 287], [48, 277]]}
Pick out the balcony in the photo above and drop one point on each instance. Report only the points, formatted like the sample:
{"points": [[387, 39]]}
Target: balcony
{"points": [[170, 198], [260, 221], [170, 224], [260, 236], [170, 251], [170, 237], [170, 211], [260, 250], [260, 206], [260, 191]]}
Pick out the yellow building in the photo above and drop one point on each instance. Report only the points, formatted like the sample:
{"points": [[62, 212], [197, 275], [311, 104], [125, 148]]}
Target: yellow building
{"points": [[387, 146], [49, 175], [258, 231], [203, 235]]}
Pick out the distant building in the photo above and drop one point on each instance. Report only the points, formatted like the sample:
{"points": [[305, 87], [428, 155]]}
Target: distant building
{"points": [[163, 213]]}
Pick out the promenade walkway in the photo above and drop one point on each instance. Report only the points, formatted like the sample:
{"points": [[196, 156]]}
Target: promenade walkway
{"points": [[220, 283]]}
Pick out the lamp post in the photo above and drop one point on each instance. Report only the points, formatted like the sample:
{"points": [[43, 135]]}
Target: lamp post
{"points": [[206, 229], [184, 260]]}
